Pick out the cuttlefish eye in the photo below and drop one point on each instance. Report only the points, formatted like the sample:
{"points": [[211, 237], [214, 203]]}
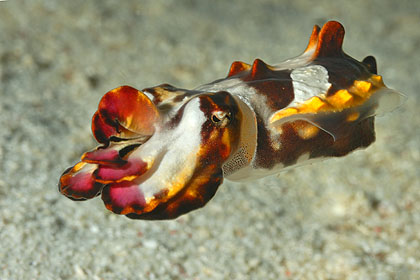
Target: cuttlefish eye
{"points": [[221, 118]]}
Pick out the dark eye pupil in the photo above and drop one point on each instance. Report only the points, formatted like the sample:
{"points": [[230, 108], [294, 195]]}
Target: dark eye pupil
{"points": [[220, 118], [215, 119]]}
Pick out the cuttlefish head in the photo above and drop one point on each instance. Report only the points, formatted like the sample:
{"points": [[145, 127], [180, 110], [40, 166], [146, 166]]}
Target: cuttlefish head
{"points": [[155, 162]]}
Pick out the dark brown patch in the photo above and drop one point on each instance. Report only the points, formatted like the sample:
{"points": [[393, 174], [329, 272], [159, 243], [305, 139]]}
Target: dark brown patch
{"points": [[127, 150], [265, 154], [276, 86], [259, 70], [342, 72], [102, 130], [163, 193], [370, 62], [177, 118], [292, 146], [330, 40]]}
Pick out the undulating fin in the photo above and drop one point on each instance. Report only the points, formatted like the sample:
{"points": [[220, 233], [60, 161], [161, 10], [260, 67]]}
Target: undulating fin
{"points": [[330, 40], [362, 100], [238, 67], [124, 112]]}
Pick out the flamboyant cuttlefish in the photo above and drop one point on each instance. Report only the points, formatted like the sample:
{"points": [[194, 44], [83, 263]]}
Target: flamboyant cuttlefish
{"points": [[165, 150]]}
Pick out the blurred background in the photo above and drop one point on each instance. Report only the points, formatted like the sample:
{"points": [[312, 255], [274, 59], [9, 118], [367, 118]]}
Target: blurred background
{"points": [[356, 217]]}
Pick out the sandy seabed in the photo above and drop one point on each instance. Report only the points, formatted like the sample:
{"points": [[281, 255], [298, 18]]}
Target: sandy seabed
{"points": [[356, 217]]}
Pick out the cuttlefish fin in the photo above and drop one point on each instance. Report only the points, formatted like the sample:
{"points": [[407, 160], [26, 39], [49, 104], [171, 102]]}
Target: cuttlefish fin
{"points": [[336, 113]]}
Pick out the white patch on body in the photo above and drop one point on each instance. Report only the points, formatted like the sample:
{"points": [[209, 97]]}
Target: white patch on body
{"points": [[309, 81], [149, 95], [174, 152]]}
